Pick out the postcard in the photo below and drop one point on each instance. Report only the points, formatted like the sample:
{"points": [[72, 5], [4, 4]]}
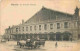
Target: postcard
{"points": [[39, 25]]}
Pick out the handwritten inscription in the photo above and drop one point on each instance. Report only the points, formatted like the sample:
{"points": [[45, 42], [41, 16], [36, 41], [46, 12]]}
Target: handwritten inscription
{"points": [[22, 4]]}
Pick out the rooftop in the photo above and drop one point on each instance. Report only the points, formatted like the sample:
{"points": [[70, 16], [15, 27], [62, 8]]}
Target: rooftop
{"points": [[48, 14]]}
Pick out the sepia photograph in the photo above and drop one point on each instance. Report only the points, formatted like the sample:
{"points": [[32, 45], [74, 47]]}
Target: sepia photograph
{"points": [[39, 25]]}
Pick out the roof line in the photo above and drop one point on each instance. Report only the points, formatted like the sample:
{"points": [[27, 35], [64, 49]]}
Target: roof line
{"points": [[57, 11]]}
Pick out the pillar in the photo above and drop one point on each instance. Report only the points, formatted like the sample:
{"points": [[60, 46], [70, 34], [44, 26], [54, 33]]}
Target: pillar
{"points": [[62, 37], [48, 37], [25, 36], [17, 36], [9, 36], [28, 36], [55, 37], [21, 36]]}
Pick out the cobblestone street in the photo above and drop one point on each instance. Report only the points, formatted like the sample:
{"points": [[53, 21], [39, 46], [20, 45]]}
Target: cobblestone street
{"points": [[49, 46]]}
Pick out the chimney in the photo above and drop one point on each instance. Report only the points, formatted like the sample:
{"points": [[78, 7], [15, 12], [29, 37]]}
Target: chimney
{"points": [[76, 11]]}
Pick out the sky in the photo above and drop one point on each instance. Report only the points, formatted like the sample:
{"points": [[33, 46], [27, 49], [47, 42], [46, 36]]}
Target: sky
{"points": [[12, 12]]}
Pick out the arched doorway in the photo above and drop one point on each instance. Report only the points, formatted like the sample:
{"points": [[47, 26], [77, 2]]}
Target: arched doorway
{"points": [[58, 36], [66, 36], [52, 36], [45, 36]]}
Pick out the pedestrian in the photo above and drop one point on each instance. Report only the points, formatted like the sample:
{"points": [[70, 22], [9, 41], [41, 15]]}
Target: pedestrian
{"points": [[56, 44]]}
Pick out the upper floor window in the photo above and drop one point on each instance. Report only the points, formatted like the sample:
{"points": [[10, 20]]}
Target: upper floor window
{"points": [[45, 27], [26, 28], [19, 28], [23, 28], [12, 30], [58, 25], [30, 28], [34, 27], [51, 26], [66, 25], [16, 29], [39, 27], [6, 31]]}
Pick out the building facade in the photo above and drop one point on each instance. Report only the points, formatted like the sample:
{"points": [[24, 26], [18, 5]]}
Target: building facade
{"points": [[47, 24]]}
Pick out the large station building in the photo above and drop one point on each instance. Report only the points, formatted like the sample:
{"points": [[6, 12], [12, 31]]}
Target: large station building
{"points": [[47, 24]]}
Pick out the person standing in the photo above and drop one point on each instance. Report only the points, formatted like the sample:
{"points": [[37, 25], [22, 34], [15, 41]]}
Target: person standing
{"points": [[56, 44]]}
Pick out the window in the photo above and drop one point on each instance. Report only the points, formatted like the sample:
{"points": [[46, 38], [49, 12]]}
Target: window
{"points": [[66, 25], [12, 30], [16, 29], [45, 27], [76, 24], [26, 28], [30, 28], [7, 31], [19, 28], [23, 28], [51, 26], [58, 25], [34, 27], [39, 27]]}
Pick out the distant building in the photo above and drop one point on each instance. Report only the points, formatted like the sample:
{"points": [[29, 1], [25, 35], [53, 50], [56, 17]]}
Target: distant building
{"points": [[48, 24]]}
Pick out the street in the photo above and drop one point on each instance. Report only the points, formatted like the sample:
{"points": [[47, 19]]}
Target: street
{"points": [[49, 46]]}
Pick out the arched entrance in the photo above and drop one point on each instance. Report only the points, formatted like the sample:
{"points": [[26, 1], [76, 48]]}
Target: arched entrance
{"points": [[58, 36], [67, 36], [52, 36]]}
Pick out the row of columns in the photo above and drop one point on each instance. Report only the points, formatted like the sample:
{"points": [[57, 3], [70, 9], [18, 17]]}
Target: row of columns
{"points": [[33, 36], [62, 37]]}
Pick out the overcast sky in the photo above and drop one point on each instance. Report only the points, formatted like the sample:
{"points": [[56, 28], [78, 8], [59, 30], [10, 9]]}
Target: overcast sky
{"points": [[13, 11]]}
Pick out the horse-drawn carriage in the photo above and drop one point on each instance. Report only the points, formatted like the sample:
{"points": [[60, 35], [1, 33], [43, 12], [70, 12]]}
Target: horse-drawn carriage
{"points": [[31, 44]]}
